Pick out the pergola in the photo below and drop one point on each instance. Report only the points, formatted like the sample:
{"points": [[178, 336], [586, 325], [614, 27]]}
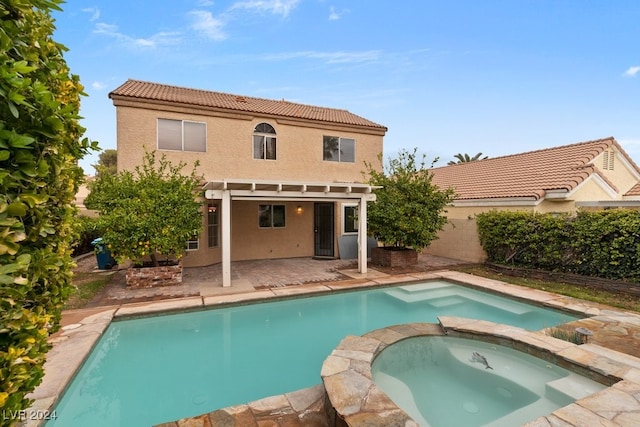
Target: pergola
{"points": [[227, 190]]}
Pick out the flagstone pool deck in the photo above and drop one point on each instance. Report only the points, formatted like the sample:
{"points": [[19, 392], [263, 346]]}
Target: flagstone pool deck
{"points": [[613, 350]]}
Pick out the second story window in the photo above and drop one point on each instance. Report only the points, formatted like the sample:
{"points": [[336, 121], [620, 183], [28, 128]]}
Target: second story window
{"points": [[181, 135], [336, 149], [264, 142]]}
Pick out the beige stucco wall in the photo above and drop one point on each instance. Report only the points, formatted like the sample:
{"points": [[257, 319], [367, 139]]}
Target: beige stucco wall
{"points": [[249, 241], [621, 176], [458, 240], [465, 212], [230, 147]]}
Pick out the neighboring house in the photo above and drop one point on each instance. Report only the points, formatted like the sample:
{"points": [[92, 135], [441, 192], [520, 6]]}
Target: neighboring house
{"points": [[282, 179], [83, 192], [595, 174]]}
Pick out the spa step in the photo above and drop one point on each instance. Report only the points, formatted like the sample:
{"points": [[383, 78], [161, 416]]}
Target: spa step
{"points": [[531, 412], [574, 387]]}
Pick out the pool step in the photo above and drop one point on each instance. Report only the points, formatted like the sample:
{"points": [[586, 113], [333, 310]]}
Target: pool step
{"points": [[444, 294], [435, 297]]}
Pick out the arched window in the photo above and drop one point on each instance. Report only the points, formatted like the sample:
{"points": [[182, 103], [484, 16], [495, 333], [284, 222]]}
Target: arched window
{"points": [[264, 142]]}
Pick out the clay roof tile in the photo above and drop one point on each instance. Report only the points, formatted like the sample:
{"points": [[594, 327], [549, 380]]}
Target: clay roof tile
{"points": [[528, 175], [195, 97]]}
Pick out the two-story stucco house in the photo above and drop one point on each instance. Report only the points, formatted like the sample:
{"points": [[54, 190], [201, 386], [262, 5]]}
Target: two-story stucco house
{"points": [[282, 179]]}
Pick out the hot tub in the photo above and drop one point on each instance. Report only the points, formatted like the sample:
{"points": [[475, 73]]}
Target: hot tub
{"points": [[449, 381]]}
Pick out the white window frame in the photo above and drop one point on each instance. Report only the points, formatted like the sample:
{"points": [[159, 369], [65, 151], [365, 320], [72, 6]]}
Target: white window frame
{"points": [[192, 245], [344, 219], [182, 131], [340, 140], [264, 137], [213, 205], [271, 216]]}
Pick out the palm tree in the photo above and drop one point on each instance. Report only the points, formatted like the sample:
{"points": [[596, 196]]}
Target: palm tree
{"points": [[465, 158]]}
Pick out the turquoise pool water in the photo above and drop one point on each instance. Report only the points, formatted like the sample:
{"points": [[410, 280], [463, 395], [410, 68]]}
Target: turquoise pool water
{"points": [[157, 369], [439, 382]]}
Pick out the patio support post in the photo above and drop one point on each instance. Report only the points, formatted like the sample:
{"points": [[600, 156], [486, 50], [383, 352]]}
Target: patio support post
{"points": [[362, 235], [226, 238]]}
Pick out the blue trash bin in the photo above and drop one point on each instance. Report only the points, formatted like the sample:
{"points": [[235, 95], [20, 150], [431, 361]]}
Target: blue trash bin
{"points": [[103, 256]]}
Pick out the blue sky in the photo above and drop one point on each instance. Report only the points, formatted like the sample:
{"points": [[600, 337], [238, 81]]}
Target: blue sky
{"points": [[454, 76]]}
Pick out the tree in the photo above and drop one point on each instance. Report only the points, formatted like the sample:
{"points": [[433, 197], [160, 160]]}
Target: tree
{"points": [[409, 208], [151, 212], [40, 144], [107, 162], [465, 158]]}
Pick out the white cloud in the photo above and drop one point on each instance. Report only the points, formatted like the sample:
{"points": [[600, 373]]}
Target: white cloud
{"points": [[339, 57], [632, 71], [334, 15], [94, 11], [205, 23], [276, 7], [98, 85], [156, 40]]}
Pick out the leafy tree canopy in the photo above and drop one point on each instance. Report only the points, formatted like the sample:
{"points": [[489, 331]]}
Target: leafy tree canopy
{"points": [[40, 144], [465, 158], [409, 209], [107, 162], [152, 211]]}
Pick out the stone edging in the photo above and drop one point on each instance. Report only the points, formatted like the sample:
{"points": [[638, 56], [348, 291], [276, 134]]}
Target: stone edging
{"points": [[346, 374]]}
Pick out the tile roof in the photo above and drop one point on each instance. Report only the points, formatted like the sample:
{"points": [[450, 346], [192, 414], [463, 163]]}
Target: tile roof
{"points": [[634, 191], [527, 175], [203, 98]]}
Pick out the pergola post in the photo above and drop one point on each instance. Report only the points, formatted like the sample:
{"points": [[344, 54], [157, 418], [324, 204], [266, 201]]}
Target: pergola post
{"points": [[362, 235], [226, 238]]}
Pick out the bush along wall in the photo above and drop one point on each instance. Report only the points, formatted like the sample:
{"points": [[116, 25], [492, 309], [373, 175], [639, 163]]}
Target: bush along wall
{"points": [[40, 144], [604, 243]]}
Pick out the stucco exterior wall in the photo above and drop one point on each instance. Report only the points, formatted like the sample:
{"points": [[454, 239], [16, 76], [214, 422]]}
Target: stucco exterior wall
{"points": [[621, 176], [458, 240], [250, 241], [465, 212], [230, 147]]}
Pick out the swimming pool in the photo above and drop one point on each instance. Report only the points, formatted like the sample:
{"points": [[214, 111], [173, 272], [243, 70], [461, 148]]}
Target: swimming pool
{"points": [[445, 381], [156, 369]]}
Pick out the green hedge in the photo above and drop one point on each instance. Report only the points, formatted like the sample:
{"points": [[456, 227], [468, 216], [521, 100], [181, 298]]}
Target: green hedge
{"points": [[603, 244], [40, 144]]}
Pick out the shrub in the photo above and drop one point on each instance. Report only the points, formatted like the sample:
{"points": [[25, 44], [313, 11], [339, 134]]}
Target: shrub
{"points": [[149, 212], [603, 243], [409, 209], [40, 143]]}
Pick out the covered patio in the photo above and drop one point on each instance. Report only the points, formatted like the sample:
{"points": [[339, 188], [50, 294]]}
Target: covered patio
{"points": [[228, 190]]}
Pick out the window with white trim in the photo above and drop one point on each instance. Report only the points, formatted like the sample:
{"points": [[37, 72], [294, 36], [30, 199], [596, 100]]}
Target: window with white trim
{"points": [[192, 245], [264, 142], [271, 216], [336, 149], [213, 223], [349, 218], [182, 135]]}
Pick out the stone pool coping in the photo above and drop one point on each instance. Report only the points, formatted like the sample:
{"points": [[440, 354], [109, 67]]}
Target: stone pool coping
{"points": [[73, 344], [358, 401]]}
